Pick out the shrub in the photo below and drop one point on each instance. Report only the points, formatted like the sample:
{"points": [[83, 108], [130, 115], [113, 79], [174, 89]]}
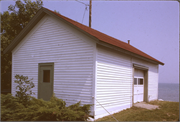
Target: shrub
{"points": [[40, 110], [24, 88], [9, 106], [24, 107]]}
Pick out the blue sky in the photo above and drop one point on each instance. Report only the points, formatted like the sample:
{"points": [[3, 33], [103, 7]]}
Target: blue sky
{"points": [[152, 26]]}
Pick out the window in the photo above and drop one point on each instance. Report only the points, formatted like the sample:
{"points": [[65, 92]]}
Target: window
{"points": [[140, 81], [46, 76], [135, 81]]}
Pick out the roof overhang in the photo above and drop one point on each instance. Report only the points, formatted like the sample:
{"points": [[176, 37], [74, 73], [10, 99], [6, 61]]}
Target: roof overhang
{"points": [[127, 52], [43, 11]]}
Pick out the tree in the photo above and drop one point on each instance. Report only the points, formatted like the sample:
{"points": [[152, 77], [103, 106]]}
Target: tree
{"points": [[12, 22]]}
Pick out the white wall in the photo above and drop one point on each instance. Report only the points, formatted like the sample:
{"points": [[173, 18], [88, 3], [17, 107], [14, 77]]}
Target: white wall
{"points": [[52, 40], [114, 82], [115, 78]]}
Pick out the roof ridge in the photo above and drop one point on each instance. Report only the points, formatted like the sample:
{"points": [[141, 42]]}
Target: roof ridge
{"points": [[91, 31], [99, 35], [83, 25]]}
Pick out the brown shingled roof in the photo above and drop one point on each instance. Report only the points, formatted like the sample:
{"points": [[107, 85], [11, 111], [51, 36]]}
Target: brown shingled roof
{"points": [[108, 39], [98, 35]]}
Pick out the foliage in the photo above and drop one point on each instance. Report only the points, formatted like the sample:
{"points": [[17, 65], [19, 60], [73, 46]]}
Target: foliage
{"points": [[12, 22], [19, 16], [40, 110], [24, 107], [169, 111], [24, 88]]}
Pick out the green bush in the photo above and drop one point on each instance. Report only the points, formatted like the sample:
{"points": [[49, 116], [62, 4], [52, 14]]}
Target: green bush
{"points": [[24, 88], [24, 107], [40, 110]]}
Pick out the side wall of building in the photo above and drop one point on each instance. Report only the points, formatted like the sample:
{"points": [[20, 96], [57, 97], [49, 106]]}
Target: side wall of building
{"points": [[72, 52], [114, 82], [115, 75]]}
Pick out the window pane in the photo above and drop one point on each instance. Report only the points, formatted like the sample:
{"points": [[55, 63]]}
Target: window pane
{"points": [[140, 81], [46, 75], [135, 81]]}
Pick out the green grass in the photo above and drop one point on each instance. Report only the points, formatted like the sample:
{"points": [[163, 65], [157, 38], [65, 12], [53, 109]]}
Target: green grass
{"points": [[169, 111]]}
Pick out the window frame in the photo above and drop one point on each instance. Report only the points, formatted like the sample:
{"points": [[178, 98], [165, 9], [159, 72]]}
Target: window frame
{"points": [[138, 81], [51, 64]]}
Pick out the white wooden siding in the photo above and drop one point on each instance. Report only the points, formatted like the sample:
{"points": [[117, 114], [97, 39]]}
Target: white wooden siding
{"points": [[114, 80], [72, 54], [152, 78], [80, 69]]}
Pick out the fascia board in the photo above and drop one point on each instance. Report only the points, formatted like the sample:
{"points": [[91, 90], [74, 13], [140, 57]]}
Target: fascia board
{"points": [[127, 52], [101, 42]]}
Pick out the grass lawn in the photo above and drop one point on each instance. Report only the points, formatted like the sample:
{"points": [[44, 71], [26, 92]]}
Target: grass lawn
{"points": [[168, 111]]}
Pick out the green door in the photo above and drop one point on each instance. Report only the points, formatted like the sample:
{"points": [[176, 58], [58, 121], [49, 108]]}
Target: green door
{"points": [[45, 81]]}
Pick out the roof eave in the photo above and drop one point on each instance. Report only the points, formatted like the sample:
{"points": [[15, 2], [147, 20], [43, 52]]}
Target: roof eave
{"points": [[99, 41], [44, 11], [128, 52]]}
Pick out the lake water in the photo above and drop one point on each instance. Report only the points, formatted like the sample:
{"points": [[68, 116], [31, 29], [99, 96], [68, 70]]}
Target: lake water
{"points": [[168, 92]]}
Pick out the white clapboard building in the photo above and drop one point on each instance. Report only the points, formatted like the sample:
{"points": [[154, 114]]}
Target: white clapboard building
{"points": [[78, 63]]}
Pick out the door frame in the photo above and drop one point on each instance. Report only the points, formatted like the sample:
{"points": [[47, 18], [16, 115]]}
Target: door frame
{"points": [[145, 71], [39, 75]]}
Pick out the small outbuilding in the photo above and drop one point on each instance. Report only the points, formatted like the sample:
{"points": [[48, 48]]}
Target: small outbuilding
{"points": [[78, 63]]}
